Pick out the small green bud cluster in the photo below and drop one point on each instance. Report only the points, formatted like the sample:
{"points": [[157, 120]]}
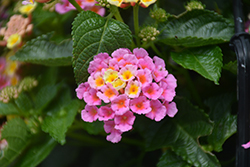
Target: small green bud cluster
{"points": [[194, 5], [12, 92], [148, 34], [8, 93], [159, 14], [103, 3], [34, 123], [27, 84]]}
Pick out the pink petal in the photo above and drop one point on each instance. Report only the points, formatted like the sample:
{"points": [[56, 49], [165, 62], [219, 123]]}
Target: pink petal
{"points": [[246, 146]]}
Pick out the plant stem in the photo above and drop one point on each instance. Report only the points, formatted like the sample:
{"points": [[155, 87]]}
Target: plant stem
{"points": [[75, 4], [116, 13], [136, 23]]}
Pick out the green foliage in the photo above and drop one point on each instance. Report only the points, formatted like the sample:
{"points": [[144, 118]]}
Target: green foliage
{"points": [[94, 34], [181, 134], [196, 28], [45, 52], [16, 134], [56, 122], [207, 61], [170, 159], [225, 124], [6, 109], [37, 151]]}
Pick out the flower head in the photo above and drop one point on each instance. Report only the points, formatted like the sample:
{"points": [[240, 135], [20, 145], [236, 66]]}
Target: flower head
{"points": [[27, 9], [128, 83]]}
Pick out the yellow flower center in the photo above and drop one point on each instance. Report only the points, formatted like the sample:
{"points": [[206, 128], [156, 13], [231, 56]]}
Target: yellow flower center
{"points": [[99, 82], [127, 75], [133, 89], [110, 76]]}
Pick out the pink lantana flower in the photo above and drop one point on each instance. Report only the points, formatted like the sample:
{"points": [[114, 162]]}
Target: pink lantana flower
{"points": [[144, 76], [152, 91], [120, 104], [104, 57], [128, 72], [91, 98], [159, 72], [108, 93], [140, 105], [105, 113], [146, 62], [96, 81], [128, 59], [171, 108], [140, 53], [115, 134], [133, 89], [96, 65], [124, 122], [158, 111], [119, 53], [81, 89], [246, 146], [90, 113], [168, 84]]}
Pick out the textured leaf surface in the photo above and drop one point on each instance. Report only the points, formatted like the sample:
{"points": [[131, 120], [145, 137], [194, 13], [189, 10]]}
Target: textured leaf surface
{"points": [[196, 28], [24, 103], [225, 124], [58, 120], [8, 108], [207, 61], [170, 159], [93, 34], [181, 133], [37, 151], [16, 134], [42, 51]]}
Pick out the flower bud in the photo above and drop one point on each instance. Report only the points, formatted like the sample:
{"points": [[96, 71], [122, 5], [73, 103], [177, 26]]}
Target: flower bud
{"points": [[194, 5], [148, 34], [158, 14]]}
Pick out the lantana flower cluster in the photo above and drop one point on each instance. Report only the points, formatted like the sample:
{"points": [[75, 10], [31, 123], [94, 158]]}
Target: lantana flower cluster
{"points": [[64, 6], [123, 85], [125, 3]]}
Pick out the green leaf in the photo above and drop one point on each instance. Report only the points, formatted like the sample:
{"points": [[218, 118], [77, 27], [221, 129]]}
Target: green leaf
{"points": [[181, 134], [16, 133], [170, 159], [38, 150], [196, 28], [8, 109], [93, 34], [231, 66], [56, 122], [24, 103], [225, 124], [45, 52], [93, 128], [45, 95], [207, 61]]}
